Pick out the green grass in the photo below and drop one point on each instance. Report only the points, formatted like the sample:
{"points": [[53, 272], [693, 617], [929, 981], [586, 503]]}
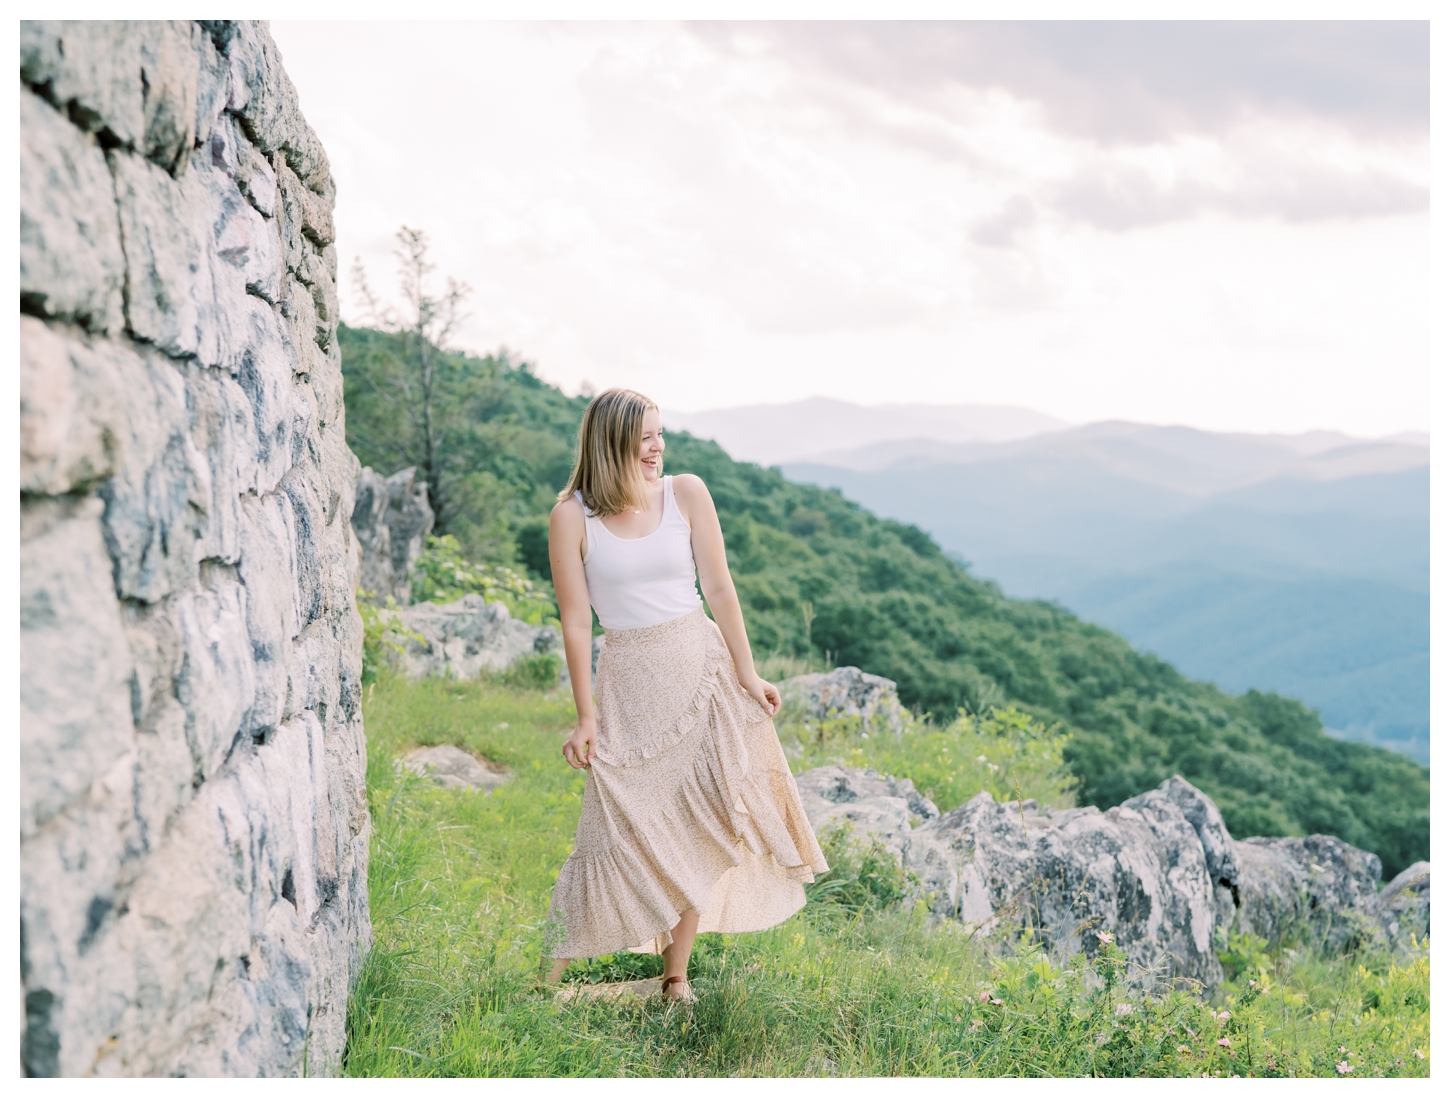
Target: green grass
{"points": [[853, 985]]}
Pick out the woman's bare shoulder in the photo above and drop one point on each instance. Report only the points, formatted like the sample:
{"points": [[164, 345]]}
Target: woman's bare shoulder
{"points": [[690, 486], [569, 511]]}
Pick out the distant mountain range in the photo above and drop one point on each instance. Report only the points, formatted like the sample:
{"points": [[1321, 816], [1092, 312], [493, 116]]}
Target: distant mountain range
{"points": [[1295, 563], [774, 433]]}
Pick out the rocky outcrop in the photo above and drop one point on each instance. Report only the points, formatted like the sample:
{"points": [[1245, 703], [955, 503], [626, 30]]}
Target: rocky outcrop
{"points": [[461, 639], [1160, 872], [884, 808], [846, 692], [194, 829], [390, 520]]}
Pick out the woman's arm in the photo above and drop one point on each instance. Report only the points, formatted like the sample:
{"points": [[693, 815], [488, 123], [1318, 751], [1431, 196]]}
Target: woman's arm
{"points": [[566, 559], [717, 586]]}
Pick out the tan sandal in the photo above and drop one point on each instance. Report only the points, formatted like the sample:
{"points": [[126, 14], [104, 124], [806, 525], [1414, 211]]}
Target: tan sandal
{"points": [[687, 997]]}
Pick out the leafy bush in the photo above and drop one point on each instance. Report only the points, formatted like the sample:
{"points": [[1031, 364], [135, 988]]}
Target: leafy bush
{"points": [[382, 635], [537, 672], [443, 575], [1007, 752], [864, 875]]}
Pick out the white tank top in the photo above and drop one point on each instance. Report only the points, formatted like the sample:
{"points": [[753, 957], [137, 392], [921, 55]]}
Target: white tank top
{"points": [[637, 582]]}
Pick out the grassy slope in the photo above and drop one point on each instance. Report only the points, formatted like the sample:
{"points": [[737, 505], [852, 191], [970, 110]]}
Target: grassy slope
{"points": [[460, 885], [888, 600]]}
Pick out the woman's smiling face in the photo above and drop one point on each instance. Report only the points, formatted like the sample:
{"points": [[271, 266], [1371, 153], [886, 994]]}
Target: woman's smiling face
{"points": [[652, 445]]}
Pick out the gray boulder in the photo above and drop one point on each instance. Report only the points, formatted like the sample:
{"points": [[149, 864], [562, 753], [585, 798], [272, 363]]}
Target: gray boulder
{"points": [[1318, 888], [844, 692], [874, 806], [461, 639], [390, 520], [454, 768], [1404, 905], [1160, 872], [1136, 872]]}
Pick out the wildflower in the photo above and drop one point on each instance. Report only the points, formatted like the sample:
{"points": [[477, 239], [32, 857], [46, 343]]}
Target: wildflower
{"points": [[981, 758], [1124, 1008], [1344, 1067], [1189, 1030], [985, 996], [996, 1002], [1224, 1041], [1225, 1016], [1104, 937], [976, 1023], [1418, 1053], [1184, 1048], [1343, 1049]]}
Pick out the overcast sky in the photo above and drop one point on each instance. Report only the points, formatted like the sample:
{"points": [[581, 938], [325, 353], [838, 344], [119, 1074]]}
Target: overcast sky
{"points": [[1223, 225]]}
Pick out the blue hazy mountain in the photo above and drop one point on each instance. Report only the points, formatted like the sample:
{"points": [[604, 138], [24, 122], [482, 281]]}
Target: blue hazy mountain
{"points": [[1298, 564]]}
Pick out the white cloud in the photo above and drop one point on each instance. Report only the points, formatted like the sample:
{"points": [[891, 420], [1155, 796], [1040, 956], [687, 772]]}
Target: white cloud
{"points": [[719, 219]]}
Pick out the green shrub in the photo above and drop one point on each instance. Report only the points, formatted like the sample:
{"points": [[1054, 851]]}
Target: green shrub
{"points": [[1006, 752], [864, 874], [382, 635], [537, 672], [442, 575]]}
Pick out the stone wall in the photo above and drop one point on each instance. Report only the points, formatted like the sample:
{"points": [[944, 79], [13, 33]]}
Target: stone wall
{"points": [[194, 827]]}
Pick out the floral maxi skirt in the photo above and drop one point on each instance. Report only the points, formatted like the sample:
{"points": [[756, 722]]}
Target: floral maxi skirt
{"points": [[689, 802]]}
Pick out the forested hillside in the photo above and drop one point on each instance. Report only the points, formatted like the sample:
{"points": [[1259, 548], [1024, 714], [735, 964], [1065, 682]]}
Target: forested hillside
{"points": [[817, 572], [1291, 563]]}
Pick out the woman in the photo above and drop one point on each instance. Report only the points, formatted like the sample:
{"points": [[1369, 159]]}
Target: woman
{"points": [[691, 820]]}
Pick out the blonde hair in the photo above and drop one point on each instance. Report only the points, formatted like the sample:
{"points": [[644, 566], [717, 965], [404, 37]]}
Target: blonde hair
{"points": [[606, 468]]}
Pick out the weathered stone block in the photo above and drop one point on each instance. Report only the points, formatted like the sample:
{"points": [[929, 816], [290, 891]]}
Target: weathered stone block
{"points": [[71, 266], [70, 398], [75, 666], [169, 292], [1318, 888], [266, 101], [1160, 872], [156, 501], [263, 368], [79, 976], [91, 68], [216, 684]]}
